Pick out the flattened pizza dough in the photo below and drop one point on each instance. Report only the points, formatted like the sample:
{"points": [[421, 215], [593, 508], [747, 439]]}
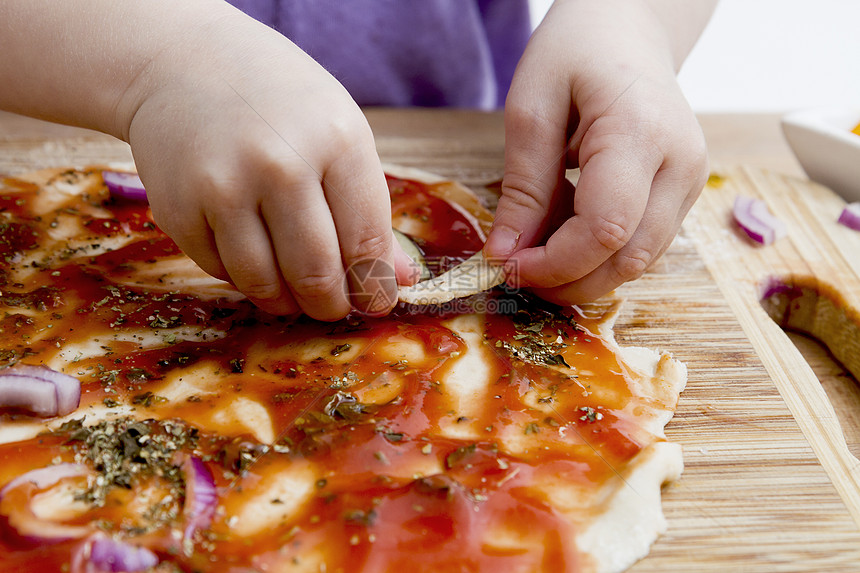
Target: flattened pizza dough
{"points": [[491, 433]]}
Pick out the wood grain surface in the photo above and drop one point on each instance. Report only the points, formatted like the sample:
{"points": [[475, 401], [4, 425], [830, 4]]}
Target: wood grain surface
{"points": [[770, 483]]}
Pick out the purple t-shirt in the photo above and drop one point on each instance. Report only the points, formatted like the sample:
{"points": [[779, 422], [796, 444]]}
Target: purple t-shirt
{"points": [[459, 53]]}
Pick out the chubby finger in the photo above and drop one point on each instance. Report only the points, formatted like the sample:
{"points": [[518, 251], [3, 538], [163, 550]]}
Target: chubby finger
{"points": [[628, 263], [244, 248], [609, 203], [537, 113], [357, 194], [407, 271], [190, 231], [306, 249], [670, 200]]}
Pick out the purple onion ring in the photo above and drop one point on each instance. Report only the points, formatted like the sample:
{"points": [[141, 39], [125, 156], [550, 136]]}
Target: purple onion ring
{"points": [[201, 496], [850, 216], [39, 390], [126, 185]]}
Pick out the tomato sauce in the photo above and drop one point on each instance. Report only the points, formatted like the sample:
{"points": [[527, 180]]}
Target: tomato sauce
{"points": [[369, 509]]}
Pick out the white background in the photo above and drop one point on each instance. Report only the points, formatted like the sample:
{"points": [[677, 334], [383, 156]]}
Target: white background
{"points": [[773, 56]]}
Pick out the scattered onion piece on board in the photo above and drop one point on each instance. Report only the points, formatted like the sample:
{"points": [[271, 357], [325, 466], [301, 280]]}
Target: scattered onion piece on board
{"points": [[126, 185], [753, 216], [39, 390], [850, 216]]}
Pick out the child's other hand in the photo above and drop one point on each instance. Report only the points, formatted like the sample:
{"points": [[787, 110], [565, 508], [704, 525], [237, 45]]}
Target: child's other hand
{"points": [[264, 171], [596, 89]]}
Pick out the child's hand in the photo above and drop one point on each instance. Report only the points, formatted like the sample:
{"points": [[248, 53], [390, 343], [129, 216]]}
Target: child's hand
{"points": [[264, 171], [596, 89]]}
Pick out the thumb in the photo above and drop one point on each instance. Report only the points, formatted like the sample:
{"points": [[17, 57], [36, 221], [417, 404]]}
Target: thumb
{"points": [[535, 158]]}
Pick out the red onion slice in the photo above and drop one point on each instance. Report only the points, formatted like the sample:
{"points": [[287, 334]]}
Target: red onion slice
{"points": [[114, 555], [753, 217], [34, 395], [15, 505], [102, 554], [39, 390], [46, 476], [201, 496], [850, 216], [126, 185]]}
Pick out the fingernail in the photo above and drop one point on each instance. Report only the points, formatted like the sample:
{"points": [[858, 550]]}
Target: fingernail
{"points": [[406, 270], [502, 242]]}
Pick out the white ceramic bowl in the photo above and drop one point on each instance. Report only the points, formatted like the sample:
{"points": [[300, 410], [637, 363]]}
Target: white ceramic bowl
{"points": [[829, 153]]}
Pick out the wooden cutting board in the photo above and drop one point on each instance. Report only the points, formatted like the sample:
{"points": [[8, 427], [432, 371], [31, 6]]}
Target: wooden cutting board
{"points": [[769, 485]]}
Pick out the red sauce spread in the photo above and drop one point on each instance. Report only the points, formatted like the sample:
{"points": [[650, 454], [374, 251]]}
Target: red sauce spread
{"points": [[368, 510], [444, 234]]}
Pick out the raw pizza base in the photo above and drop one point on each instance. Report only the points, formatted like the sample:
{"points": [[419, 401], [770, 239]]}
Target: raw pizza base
{"points": [[629, 515], [612, 526]]}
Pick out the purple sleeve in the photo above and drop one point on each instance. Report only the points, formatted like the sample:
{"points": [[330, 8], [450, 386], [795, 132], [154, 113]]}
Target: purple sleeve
{"points": [[507, 27], [458, 53]]}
